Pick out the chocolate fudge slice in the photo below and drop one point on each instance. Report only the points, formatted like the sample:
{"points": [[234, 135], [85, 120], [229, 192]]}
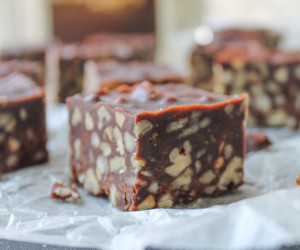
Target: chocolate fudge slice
{"points": [[22, 123], [111, 74], [150, 146], [33, 70], [99, 48], [202, 56], [272, 79]]}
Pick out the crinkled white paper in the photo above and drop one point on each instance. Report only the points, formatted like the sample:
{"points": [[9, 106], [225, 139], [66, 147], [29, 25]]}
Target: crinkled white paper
{"points": [[264, 213]]}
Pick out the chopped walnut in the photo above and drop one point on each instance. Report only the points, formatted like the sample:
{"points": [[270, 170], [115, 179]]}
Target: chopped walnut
{"points": [[63, 192]]}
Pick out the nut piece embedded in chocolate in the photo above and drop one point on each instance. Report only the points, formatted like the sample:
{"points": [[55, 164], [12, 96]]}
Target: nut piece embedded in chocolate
{"points": [[148, 152], [63, 192], [111, 74], [22, 123]]}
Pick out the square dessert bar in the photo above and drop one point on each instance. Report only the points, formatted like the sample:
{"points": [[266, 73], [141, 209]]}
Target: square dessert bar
{"points": [[98, 48], [111, 74], [150, 146], [31, 53], [202, 56], [22, 123], [33, 70], [125, 46], [271, 78]]}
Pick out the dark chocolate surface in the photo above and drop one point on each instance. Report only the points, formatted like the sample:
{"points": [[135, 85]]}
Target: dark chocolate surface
{"points": [[15, 86], [147, 97], [133, 72]]}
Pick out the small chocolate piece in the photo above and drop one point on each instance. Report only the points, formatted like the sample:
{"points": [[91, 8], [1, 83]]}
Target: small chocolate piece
{"points": [[203, 56], [111, 74], [63, 192], [149, 152], [298, 179], [33, 70], [99, 48], [256, 141], [22, 123]]}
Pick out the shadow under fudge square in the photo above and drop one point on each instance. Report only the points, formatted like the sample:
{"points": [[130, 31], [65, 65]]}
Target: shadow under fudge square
{"points": [[22, 123], [111, 74], [148, 146]]}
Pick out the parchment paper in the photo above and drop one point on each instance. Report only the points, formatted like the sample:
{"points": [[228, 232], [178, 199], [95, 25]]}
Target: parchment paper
{"points": [[264, 213]]}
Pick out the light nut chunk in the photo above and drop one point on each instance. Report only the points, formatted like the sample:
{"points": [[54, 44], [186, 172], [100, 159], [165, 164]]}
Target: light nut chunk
{"points": [[117, 136], [130, 142], [281, 75], [120, 118], [207, 177], [105, 148], [95, 140], [76, 117], [102, 166], [77, 148], [23, 114], [13, 144], [184, 180], [219, 162], [91, 183], [117, 164], [153, 187], [180, 161], [7, 121], [142, 127], [148, 203], [176, 125], [89, 123], [230, 175], [166, 201], [103, 117], [113, 194], [12, 161]]}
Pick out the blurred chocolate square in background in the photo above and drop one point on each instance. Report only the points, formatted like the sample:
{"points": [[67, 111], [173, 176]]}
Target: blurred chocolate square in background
{"points": [[73, 20]]}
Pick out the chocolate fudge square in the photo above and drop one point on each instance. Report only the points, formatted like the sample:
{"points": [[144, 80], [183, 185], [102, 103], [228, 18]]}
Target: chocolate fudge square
{"points": [[150, 146], [33, 70], [22, 123], [271, 78], [101, 47], [111, 74], [203, 56], [126, 46]]}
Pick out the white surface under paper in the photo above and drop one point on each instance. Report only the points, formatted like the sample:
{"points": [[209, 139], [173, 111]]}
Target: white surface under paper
{"points": [[264, 213]]}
